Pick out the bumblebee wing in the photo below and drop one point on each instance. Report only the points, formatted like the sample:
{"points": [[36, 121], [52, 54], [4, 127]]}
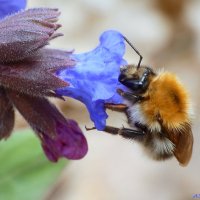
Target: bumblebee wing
{"points": [[183, 141]]}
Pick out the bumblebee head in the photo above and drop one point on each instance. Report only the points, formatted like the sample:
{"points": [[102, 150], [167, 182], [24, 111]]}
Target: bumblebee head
{"points": [[136, 79]]}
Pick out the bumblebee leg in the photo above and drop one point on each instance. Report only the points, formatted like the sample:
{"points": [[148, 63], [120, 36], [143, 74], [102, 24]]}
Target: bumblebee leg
{"points": [[112, 130], [131, 133], [108, 129], [90, 129], [116, 107], [141, 127], [130, 96], [124, 132]]}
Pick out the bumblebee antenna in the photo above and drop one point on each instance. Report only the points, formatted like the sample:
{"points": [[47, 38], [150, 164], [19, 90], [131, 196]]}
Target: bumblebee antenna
{"points": [[140, 60]]}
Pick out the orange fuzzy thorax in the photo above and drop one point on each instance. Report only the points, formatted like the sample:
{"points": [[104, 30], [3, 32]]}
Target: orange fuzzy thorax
{"points": [[168, 99]]}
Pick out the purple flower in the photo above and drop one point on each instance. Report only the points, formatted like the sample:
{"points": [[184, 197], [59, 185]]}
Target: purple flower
{"points": [[30, 72], [27, 77], [94, 78], [60, 137]]}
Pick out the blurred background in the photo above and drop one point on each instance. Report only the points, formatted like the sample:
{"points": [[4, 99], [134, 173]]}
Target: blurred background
{"points": [[167, 34]]}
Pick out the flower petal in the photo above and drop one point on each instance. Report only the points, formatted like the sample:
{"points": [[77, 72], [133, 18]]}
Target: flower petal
{"points": [[59, 137], [6, 115], [11, 6], [94, 79], [25, 32], [69, 143], [35, 75]]}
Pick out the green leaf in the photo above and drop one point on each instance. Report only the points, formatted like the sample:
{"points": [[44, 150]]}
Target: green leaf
{"points": [[25, 172]]}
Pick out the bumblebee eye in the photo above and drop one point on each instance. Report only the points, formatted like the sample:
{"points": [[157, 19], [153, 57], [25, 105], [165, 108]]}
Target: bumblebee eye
{"points": [[137, 82]]}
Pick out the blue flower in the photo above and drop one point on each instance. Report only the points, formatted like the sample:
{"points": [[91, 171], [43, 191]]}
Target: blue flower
{"points": [[94, 78], [90, 77], [11, 6]]}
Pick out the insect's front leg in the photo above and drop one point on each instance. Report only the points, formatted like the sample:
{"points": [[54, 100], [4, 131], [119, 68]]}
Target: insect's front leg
{"points": [[130, 96], [116, 107]]}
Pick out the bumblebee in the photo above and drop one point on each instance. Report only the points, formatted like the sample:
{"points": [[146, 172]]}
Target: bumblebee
{"points": [[158, 110]]}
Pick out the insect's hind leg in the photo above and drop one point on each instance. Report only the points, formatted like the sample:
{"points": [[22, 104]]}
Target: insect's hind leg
{"points": [[125, 132], [131, 133], [141, 127]]}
